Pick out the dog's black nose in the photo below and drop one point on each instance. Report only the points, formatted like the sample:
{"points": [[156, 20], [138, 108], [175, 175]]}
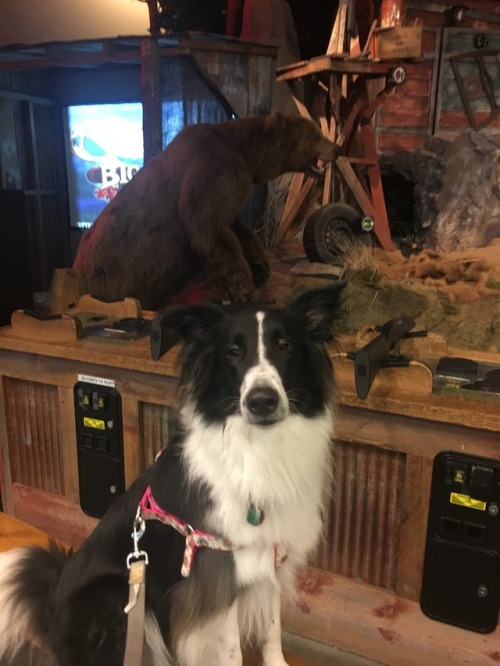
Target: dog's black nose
{"points": [[262, 401]]}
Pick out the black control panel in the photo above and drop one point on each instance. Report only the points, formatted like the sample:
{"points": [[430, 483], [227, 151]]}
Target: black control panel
{"points": [[461, 578], [99, 433]]}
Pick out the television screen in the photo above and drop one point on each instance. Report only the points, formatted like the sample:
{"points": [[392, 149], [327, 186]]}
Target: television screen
{"points": [[104, 149]]}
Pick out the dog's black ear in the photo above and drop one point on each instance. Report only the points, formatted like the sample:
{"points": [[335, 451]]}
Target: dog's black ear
{"points": [[191, 323], [319, 307]]}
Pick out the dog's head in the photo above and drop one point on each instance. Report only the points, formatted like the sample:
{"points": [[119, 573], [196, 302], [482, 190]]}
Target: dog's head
{"points": [[262, 364]]}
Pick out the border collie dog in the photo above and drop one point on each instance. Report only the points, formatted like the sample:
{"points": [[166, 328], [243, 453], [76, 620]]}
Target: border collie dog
{"points": [[231, 506]]}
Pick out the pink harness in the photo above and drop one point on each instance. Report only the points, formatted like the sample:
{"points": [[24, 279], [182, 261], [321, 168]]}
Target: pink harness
{"points": [[149, 509], [195, 539]]}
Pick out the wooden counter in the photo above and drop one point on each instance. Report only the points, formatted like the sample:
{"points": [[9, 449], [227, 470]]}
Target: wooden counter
{"points": [[362, 590]]}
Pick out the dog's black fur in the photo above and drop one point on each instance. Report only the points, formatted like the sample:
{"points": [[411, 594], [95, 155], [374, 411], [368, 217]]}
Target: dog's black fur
{"points": [[73, 603]]}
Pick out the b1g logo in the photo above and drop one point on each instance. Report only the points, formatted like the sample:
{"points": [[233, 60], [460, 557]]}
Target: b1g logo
{"points": [[111, 178], [112, 149]]}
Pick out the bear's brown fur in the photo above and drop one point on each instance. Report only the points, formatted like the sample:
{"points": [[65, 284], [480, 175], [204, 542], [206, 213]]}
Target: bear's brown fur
{"points": [[179, 214]]}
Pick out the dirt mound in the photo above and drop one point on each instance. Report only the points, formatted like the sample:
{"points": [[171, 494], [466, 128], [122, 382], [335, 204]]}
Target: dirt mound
{"points": [[454, 294]]}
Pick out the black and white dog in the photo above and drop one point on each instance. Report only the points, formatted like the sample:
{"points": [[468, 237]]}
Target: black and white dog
{"points": [[233, 504]]}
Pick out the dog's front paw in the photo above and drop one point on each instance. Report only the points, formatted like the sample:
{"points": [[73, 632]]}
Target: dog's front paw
{"points": [[272, 655], [276, 660], [260, 273]]}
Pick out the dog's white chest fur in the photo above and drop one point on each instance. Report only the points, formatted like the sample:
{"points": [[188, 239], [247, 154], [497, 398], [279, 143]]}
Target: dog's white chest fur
{"points": [[279, 468]]}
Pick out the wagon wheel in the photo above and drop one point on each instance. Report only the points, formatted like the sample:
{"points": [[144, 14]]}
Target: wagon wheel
{"points": [[332, 228]]}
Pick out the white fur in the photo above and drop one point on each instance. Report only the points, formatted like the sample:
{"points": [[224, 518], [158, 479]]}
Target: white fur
{"points": [[215, 643], [280, 468], [15, 614], [271, 651], [156, 651]]}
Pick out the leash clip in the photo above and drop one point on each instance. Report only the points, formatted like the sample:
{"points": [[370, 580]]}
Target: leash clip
{"points": [[137, 534]]}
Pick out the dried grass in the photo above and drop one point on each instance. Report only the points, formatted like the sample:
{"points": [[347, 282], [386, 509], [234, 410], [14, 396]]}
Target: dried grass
{"points": [[357, 260]]}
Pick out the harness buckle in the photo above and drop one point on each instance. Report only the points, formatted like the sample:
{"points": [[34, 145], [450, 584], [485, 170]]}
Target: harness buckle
{"points": [[137, 555], [137, 534]]}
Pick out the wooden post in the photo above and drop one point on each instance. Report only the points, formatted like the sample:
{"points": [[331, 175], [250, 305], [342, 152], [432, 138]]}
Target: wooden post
{"points": [[154, 17], [234, 17], [151, 98]]}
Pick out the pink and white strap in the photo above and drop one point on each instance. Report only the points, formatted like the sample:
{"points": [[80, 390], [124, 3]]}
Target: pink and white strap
{"points": [[151, 510]]}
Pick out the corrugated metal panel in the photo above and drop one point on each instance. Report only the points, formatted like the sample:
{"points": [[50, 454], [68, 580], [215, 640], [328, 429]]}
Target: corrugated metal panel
{"points": [[155, 421], [363, 519], [34, 441]]}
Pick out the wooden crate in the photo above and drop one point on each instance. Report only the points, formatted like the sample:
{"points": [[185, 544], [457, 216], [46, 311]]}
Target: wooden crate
{"points": [[405, 121], [398, 43]]}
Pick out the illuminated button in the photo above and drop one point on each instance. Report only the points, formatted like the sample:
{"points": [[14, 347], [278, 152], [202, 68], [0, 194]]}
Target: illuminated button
{"points": [[84, 398], [98, 400], [98, 424], [456, 472]]}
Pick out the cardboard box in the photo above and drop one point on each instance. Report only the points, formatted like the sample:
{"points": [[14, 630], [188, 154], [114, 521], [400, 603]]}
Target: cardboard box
{"points": [[397, 43]]}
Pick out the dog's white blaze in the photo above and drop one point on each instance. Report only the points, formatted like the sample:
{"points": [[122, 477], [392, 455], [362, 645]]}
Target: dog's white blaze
{"points": [[260, 336], [263, 374]]}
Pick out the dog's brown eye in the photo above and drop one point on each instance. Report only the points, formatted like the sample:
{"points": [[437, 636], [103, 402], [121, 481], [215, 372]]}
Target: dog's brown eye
{"points": [[284, 347], [233, 352]]}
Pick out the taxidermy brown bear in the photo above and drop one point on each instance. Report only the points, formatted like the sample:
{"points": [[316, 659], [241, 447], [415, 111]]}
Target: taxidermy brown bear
{"points": [[178, 215]]}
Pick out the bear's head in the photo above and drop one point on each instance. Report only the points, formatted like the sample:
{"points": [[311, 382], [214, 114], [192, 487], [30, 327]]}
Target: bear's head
{"points": [[298, 143]]}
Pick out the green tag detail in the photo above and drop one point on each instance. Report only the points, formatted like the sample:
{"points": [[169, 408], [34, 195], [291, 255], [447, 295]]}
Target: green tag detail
{"points": [[255, 516]]}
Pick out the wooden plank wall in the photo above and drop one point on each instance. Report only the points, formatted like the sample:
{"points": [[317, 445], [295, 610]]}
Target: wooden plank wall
{"points": [[405, 120], [429, 101], [245, 79]]}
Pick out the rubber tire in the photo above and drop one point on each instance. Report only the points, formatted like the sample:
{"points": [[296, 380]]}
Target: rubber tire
{"points": [[323, 224]]}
